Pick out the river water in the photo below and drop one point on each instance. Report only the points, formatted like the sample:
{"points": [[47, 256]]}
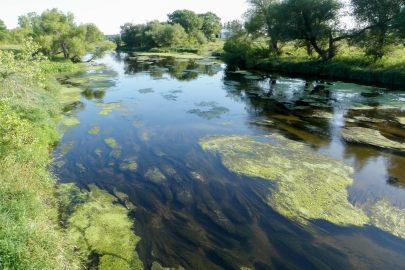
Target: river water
{"points": [[142, 126]]}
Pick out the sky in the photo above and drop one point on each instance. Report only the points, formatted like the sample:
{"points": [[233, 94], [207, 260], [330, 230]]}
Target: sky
{"points": [[108, 15]]}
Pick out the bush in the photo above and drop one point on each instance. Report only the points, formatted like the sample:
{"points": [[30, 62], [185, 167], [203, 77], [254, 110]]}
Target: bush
{"points": [[243, 53]]}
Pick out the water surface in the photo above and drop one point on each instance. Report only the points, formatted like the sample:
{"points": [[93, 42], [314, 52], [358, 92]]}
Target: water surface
{"points": [[139, 133]]}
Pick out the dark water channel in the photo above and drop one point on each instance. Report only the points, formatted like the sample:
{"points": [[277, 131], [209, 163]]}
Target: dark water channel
{"points": [[191, 209]]}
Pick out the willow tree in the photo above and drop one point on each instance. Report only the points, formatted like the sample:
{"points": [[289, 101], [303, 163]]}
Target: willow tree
{"points": [[312, 21], [57, 33], [384, 21]]}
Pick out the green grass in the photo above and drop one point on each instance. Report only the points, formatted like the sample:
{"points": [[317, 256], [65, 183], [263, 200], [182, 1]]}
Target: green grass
{"points": [[30, 237], [350, 63]]}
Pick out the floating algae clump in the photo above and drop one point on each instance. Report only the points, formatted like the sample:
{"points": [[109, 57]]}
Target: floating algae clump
{"points": [[388, 218], [401, 120], [99, 225], [94, 130], [369, 136], [68, 122], [65, 148], [112, 143], [129, 164], [307, 185], [155, 175], [69, 95]]}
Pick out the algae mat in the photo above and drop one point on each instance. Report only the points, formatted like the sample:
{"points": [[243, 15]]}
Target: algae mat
{"points": [[308, 185], [99, 225]]}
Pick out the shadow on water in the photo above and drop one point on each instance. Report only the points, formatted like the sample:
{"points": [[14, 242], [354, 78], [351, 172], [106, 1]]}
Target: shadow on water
{"points": [[191, 211]]}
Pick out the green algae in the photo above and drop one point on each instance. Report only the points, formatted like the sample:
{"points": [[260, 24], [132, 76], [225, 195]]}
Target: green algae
{"points": [[401, 120], [146, 90], [307, 185], [388, 218], [80, 167], [322, 114], [369, 136], [115, 153], [106, 110], [68, 122], [129, 164], [125, 199], [101, 227], [59, 163], [94, 130], [112, 143], [137, 123], [155, 175], [144, 135], [197, 176], [65, 148], [94, 77], [97, 152], [214, 112], [157, 266], [69, 95], [113, 106], [367, 119]]}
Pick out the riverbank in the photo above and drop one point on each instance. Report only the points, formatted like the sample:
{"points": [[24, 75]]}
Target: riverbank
{"points": [[30, 235], [388, 72]]}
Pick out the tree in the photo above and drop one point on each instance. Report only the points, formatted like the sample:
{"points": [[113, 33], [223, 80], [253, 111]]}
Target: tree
{"points": [[234, 30], [164, 35], [383, 20], [133, 34], [211, 24], [4, 32], [57, 32], [188, 19], [312, 21]]}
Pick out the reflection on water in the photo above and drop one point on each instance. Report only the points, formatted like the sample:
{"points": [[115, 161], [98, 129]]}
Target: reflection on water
{"points": [[140, 137]]}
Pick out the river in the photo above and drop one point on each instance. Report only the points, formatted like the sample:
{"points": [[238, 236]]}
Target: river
{"points": [[241, 169]]}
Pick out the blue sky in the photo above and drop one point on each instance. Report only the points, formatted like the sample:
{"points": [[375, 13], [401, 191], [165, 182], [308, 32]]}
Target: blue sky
{"points": [[108, 15]]}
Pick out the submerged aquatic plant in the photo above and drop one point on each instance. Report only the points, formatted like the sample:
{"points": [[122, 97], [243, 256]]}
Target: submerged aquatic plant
{"points": [[388, 218], [101, 227], [155, 175], [129, 164], [370, 137], [112, 143], [214, 112], [95, 129], [307, 185]]}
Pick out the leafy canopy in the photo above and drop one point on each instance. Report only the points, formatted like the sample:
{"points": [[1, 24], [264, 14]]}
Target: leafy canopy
{"points": [[56, 32]]}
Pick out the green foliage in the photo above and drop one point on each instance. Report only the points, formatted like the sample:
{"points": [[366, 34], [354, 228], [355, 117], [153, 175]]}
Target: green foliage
{"points": [[4, 33], [313, 21], [14, 130], [21, 70], [234, 29], [211, 24], [188, 19], [243, 53], [28, 211], [382, 20], [133, 34], [57, 32]]}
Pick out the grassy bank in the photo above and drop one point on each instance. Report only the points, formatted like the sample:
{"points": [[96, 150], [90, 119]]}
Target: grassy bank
{"points": [[349, 64], [30, 236]]}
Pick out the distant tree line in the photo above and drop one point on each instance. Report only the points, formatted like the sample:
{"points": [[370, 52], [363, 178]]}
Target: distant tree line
{"points": [[183, 27], [57, 33], [316, 25]]}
